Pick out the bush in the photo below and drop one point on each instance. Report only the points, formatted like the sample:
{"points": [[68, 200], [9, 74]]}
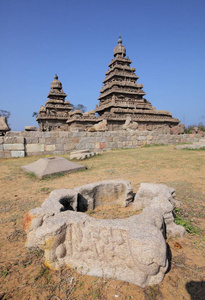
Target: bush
{"points": [[189, 128]]}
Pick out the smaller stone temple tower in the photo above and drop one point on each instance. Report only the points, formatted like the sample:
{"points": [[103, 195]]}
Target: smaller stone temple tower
{"points": [[54, 114]]}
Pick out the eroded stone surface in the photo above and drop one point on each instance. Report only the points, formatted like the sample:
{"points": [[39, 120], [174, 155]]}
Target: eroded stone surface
{"points": [[131, 249], [105, 192], [161, 197], [82, 154]]}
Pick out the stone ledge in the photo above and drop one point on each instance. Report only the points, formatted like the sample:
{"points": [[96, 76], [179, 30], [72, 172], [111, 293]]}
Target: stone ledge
{"points": [[13, 147]]}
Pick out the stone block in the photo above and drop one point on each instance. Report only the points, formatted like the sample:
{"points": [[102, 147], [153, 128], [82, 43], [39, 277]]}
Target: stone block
{"points": [[17, 153], [60, 147], [14, 140], [69, 147], [141, 138], [30, 128], [1, 147], [75, 140], [100, 146], [89, 145], [33, 140], [1, 140], [34, 148], [5, 154], [13, 147], [50, 147]]}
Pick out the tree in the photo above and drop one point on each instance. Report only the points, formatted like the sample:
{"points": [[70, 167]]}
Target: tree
{"points": [[4, 113], [80, 107], [35, 114]]}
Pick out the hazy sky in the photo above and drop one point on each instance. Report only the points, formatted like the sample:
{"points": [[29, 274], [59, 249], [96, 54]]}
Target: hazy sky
{"points": [[75, 39]]}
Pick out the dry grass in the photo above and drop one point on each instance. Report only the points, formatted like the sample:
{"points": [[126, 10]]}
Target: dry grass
{"points": [[22, 273]]}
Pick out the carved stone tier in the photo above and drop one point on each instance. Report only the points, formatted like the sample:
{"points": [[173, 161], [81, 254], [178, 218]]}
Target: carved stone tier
{"points": [[122, 97], [56, 111]]}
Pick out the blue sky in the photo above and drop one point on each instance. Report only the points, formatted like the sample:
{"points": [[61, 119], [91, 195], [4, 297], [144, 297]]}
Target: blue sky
{"points": [[75, 39]]}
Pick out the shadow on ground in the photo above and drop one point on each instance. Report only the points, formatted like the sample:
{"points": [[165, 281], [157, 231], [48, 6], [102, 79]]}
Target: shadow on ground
{"points": [[196, 290]]}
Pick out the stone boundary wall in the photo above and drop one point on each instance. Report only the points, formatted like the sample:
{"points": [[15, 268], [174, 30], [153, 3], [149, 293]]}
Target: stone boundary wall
{"points": [[23, 143]]}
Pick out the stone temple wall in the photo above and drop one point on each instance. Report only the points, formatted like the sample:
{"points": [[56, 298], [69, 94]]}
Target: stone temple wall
{"points": [[23, 143]]}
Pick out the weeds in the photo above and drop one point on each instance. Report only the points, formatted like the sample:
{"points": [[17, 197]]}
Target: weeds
{"points": [[194, 149], [43, 272], [31, 175], [153, 145], [180, 220], [45, 190], [152, 292]]}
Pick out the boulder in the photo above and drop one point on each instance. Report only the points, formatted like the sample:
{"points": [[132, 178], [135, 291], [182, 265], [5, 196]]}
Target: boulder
{"points": [[161, 197], [178, 129]]}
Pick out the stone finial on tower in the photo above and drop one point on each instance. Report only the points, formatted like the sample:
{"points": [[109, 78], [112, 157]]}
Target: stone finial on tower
{"points": [[119, 40]]}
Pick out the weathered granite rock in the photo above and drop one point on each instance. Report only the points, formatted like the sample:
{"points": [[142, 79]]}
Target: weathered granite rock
{"points": [[104, 192], [30, 128], [82, 154], [161, 197], [178, 129], [131, 249], [101, 126], [129, 124]]}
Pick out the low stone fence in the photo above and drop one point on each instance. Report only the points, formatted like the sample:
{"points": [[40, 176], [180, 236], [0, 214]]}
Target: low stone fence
{"points": [[23, 143]]}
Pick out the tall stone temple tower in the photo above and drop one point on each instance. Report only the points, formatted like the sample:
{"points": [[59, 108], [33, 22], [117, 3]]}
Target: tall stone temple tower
{"points": [[122, 104], [121, 100], [55, 113]]}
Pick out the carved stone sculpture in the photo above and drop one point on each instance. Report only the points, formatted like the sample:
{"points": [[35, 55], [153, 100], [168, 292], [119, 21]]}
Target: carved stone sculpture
{"points": [[131, 249], [161, 197]]}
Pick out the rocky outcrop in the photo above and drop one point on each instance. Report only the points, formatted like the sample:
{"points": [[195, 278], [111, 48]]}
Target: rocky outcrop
{"points": [[131, 249]]}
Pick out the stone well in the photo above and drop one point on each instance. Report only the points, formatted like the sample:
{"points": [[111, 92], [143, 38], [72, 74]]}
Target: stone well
{"points": [[131, 249]]}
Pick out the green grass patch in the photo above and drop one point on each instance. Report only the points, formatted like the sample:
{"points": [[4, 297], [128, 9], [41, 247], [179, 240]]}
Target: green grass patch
{"points": [[192, 149], [153, 145], [180, 220]]}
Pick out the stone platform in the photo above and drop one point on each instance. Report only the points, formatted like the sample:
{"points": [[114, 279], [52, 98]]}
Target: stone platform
{"points": [[52, 165]]}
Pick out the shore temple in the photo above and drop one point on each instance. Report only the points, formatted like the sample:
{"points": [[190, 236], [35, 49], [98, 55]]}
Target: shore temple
{"points": [[122, 105]]}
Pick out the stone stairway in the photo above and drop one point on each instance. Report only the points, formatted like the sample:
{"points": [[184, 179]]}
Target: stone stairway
{"points": [[200, 143], [195, 145]]}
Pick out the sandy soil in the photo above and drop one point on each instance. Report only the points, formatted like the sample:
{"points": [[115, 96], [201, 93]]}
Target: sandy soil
{"points": [[23, 274]]}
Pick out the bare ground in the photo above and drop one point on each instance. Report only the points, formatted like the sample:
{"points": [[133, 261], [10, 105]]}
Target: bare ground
{"points": [[22, 273]]}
